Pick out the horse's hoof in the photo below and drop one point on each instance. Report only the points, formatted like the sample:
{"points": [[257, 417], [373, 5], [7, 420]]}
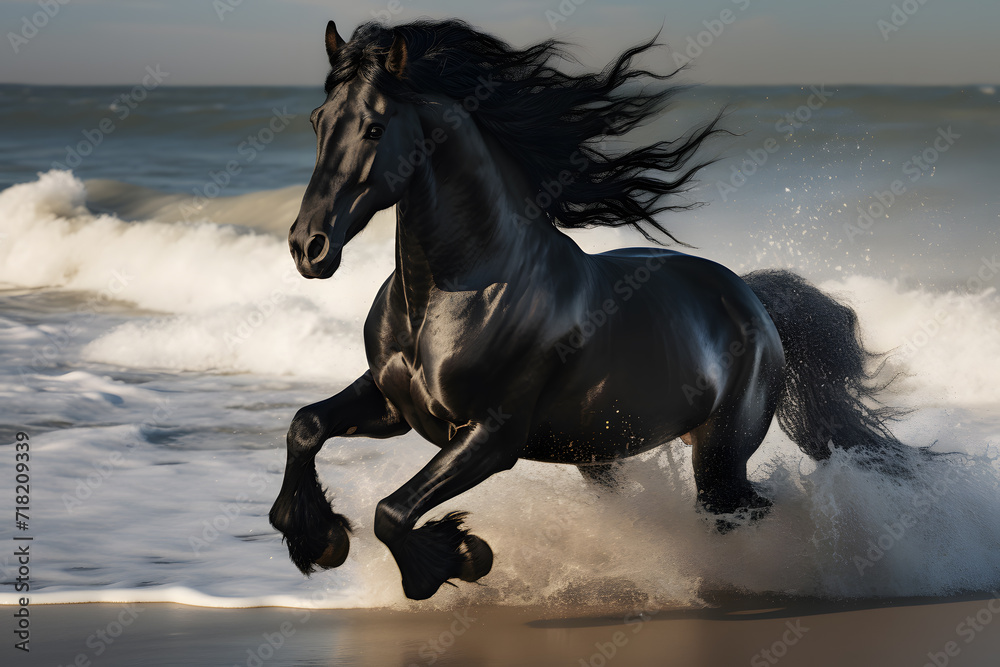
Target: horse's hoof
{"points": [[731, 514], [440, 550], [759, 511], [312, 549], [478, 558], [336, 551], [742, 517], [723, 526]]}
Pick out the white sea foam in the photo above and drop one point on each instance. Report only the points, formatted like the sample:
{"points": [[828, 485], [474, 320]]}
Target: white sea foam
{"points": [[190, 526], [229, 298], [160, 448]]}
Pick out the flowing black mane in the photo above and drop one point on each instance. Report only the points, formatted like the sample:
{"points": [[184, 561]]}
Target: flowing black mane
{"points": [[548, 120]]}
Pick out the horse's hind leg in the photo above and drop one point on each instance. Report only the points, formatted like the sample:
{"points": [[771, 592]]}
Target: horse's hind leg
{"points": [[723, 445], [315, 534]]}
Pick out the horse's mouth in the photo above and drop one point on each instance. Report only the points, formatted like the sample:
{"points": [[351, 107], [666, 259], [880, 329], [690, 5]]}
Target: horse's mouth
{"points": [[324, 270]]}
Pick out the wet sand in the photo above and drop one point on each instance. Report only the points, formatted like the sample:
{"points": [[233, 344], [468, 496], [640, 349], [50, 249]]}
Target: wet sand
{"points": [[756, 632]]}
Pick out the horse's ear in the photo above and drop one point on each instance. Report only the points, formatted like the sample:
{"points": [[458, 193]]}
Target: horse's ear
{"points": [[333, 40], [395, 62]]}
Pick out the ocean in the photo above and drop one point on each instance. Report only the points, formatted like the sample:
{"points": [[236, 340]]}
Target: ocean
{"points": [[156, 341]]}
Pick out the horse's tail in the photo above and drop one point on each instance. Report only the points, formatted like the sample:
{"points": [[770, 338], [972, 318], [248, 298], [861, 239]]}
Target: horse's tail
{"points": [[829, 395]]}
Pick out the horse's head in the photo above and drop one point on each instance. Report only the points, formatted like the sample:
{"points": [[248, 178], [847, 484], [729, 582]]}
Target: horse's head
{"points": [[361, 133]]}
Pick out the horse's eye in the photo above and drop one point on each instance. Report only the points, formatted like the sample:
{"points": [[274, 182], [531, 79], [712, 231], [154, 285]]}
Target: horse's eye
{"points": [[375, 132]]}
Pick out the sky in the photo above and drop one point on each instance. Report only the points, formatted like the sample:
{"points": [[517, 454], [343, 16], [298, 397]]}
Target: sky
{"points": [[267, 42]]}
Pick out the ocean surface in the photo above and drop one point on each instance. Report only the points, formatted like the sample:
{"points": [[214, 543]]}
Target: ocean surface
{"points": [[156, 341]]}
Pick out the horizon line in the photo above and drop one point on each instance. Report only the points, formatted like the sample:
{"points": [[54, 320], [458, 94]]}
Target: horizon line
{"points": [[979, 84]]}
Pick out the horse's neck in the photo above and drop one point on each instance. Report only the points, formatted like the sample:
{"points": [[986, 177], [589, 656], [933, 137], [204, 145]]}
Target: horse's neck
{"points": [[461, 223]]}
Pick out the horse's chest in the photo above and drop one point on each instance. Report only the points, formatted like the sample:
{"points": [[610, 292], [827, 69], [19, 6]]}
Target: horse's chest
{"points": [[423, 396], [431, 377]]}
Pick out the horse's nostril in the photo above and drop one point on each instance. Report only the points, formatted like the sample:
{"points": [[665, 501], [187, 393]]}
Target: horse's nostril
{"points": [[317, 247]]}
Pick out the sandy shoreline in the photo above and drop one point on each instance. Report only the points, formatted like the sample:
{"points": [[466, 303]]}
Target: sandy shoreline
{"points": [[917, 632]]}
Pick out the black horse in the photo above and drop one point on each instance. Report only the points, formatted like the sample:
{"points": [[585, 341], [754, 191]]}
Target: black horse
{"points": [[498, 339]]}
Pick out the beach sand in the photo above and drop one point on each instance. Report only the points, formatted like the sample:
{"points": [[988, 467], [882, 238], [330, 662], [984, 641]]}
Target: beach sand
{"points": [[734, 631]]}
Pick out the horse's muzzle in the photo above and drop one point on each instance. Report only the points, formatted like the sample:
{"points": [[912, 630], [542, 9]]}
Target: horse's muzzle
{"points": [[315, 260]]}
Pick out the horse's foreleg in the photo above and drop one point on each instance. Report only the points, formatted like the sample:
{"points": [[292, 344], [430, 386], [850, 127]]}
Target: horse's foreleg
{"points": [[443, 549], [315, 534]]}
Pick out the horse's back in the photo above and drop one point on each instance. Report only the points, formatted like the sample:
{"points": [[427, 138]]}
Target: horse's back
{"points": [[699, 311], [654, 356], [678, 280], [683, 296]]}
